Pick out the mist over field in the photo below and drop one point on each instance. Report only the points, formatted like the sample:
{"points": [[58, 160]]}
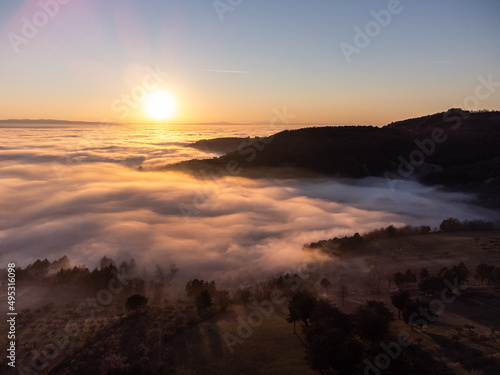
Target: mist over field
{"points": [[93, 202]]}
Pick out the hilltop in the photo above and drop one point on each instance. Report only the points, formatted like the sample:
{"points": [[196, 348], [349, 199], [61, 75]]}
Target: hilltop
{"points": [[456, 149]]}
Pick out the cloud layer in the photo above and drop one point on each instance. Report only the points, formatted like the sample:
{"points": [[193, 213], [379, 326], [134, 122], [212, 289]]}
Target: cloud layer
{"points": [[237, 226]]}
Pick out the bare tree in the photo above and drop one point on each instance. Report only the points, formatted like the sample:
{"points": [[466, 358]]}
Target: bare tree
{"points": [[159, 274], [389, 277], [343, 292]]}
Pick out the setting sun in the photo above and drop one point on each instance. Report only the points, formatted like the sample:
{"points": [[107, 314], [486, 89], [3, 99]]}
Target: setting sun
{"points": [[159, 105]]}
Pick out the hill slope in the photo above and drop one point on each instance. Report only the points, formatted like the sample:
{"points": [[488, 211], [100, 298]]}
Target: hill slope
{"points": [[456, 149]]}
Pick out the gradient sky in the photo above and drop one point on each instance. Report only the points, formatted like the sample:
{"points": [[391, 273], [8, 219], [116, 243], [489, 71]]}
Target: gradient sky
{"points": [[264, 54]]}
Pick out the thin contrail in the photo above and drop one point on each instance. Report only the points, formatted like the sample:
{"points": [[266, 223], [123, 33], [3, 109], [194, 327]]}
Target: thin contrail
{"points": [[224, 71], [437, 62]]}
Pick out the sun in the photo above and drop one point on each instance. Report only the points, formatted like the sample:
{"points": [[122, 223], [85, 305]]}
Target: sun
{"points": [[159, 105]]}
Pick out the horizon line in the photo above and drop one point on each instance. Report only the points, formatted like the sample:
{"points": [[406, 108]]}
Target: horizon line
{"points": [[56, 121]]}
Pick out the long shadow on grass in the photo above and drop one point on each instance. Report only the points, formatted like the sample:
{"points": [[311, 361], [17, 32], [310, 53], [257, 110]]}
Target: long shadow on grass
{"points": [[188, 348], [134, 330], [212, 331], [469, 358], [415, 361]]}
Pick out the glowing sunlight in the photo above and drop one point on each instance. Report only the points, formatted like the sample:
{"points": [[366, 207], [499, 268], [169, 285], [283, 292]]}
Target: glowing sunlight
{"points": [[159, 105]]}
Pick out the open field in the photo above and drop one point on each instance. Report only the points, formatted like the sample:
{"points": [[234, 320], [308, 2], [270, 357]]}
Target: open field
{"points": [[465, 337]]}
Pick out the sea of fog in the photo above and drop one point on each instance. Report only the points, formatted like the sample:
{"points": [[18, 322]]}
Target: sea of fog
{"points": [[76, 191]]}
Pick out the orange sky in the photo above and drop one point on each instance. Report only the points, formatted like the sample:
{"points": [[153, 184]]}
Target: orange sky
{"points": [[90, 59]]}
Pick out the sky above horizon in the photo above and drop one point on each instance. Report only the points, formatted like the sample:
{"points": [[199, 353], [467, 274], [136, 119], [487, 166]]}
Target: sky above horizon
{"points": [[332, 62]]}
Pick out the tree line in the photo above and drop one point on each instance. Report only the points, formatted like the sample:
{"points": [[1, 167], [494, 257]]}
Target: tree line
{"points": [[347, 243]]}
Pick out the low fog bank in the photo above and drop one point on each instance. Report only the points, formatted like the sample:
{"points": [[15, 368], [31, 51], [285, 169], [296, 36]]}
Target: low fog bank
{"points": [[131, 146], [232, 229]]}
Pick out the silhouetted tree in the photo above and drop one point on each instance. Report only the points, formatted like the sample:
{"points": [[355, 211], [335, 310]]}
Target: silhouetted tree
{"points": [[344, 291], [445, 273], [475, 225], [158, 285], [204, 301], [300, 307], [424, 273], [99, 278], [244, 295], [289, 283], [399, 279], [495, 277], [425, 229], [373, 320], [36, 271], [431, 284], [159, 275], [399, 299], [106, 262], [195, 287], [483, 272], [173, 271], [450, 225], [136, 302], [418, 313], [410, 277], [128, 268], [75, 275], [330, 346], [390, 231], [123, 269], [461, 272], [61, 263]]}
